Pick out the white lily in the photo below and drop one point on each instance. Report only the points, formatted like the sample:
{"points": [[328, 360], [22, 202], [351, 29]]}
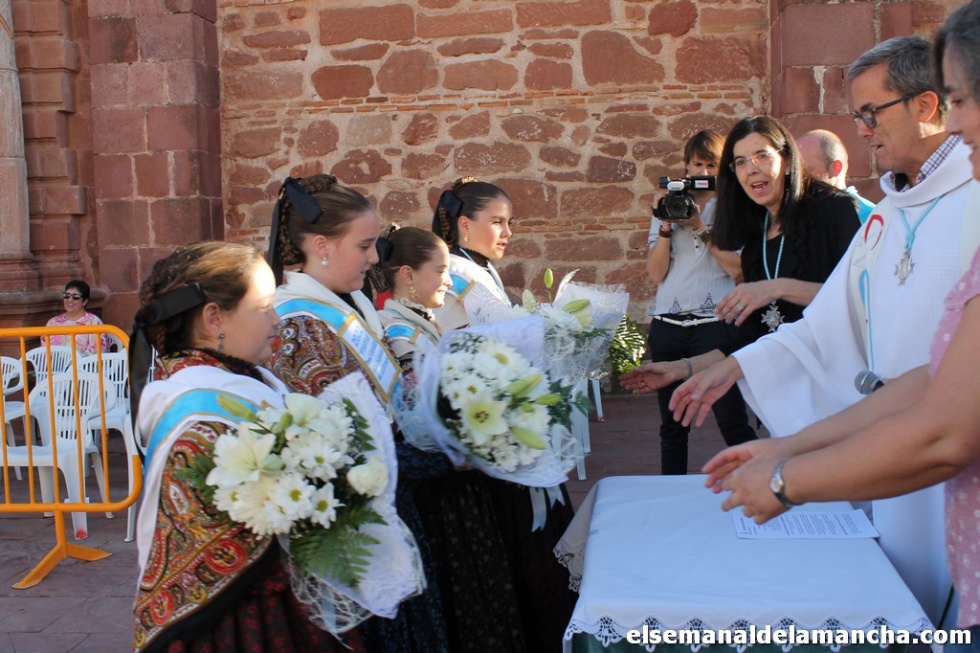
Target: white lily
{"points": [[243, 458]]}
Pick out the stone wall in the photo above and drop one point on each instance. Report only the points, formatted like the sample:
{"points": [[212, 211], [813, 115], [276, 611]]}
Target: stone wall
{"points": [[574, 107], [150, 123]]}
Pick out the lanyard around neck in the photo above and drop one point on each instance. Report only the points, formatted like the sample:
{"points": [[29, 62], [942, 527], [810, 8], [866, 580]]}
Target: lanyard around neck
{"points": [[765, 254]]}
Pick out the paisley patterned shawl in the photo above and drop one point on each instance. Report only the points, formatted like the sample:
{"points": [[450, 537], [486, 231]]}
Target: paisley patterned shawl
{"points": [[196, 554]]}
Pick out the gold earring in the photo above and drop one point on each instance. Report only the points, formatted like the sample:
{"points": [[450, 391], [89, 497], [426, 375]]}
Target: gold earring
{"points": [[466, 237], [412, 292]]}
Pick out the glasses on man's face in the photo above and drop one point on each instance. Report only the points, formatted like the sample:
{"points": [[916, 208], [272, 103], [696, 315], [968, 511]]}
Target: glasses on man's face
{"points": [[759, 159], [868, 116], [71, 295]]}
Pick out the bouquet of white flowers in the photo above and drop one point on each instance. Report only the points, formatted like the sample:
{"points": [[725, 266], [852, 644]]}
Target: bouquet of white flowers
{"points": [[579, 325], [485, 397], [320, 474]]}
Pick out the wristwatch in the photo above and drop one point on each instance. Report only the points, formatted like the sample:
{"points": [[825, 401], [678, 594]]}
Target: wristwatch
{"points": [[778, 485]]}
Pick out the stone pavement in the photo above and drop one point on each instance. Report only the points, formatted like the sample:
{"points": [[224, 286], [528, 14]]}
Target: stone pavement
{"points": [[86, 607]]}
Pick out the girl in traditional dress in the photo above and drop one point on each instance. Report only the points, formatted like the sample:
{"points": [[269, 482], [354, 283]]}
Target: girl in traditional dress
{"points": [[416, 272], [474, 219], [207, 583], [460, 521], [329, 330]]}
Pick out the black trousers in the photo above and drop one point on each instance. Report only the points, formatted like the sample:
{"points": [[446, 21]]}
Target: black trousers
{"points": [[670, 342]]}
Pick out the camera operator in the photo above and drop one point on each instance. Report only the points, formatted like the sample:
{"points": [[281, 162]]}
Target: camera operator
{"points": [[692, 276]]}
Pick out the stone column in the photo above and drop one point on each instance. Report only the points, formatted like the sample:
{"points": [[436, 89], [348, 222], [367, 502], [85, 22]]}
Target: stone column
{"points": [[17, 273]]}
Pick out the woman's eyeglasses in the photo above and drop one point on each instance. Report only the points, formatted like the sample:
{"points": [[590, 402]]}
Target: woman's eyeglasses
{"points": [[759, 159], [867, 116], [71, 295]]}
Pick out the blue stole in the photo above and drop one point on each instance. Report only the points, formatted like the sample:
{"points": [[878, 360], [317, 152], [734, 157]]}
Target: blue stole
{"points": [[194, 402]]}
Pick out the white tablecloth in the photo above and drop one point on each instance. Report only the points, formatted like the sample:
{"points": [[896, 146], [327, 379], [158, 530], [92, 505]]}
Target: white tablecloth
{"points": [[659, 550]]}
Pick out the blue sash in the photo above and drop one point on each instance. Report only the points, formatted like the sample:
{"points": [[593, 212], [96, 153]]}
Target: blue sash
{"points": [[195, 402]]}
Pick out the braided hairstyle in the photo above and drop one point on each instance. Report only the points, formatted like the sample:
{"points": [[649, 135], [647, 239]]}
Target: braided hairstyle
{"points": [[221, 270], [339, 204], [467, 197], [410, 246]]}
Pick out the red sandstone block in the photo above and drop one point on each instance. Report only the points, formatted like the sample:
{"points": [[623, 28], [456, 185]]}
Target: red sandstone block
{"points": [[192, 82], [610, 58], [391, 23], [547, 75], [180, 221], [280, 38], [465, 24], [584, 248], [408, 72], [147, 84], [113, 40], [489, 75], [175, 128], [251, 85], [120, 269], [152, 175], [45, 123], [896, 19], [64, 200], [206, 9], [113, 176], [336, 82], [123, 222], [110, 85], [106, 8], [706, 60], [834, 91], [725, 20], [197, 173], [53, 233], [40, 16], [56, 163], [562, 14], [47, 52], [799, 91], [169, 37], [846, 30], [118, 130]]}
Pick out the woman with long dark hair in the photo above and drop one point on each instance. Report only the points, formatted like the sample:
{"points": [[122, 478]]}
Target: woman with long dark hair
{"points": [[792, 231]]}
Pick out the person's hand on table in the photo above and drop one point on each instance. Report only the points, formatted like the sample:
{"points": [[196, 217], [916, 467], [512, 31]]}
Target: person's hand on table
{"points": [[748, 487], [692, 400], [744, 300], [728, 460], [653, 376]]}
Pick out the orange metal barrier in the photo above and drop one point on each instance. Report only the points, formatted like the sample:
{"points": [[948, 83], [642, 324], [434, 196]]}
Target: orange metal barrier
{"points": [[67, 405]]}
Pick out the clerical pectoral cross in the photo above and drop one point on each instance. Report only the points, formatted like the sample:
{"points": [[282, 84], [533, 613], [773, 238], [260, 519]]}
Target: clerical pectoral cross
{"points": [[772, 318], [904, 267]]}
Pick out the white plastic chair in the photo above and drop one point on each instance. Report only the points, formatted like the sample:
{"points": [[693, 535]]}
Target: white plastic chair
{"points": [[115, 343], [115, 375], [68, 402], [38, 358], [12, 379]]}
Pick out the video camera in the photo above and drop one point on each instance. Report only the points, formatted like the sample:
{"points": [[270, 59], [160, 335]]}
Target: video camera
{"points": [[678, 204]]}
